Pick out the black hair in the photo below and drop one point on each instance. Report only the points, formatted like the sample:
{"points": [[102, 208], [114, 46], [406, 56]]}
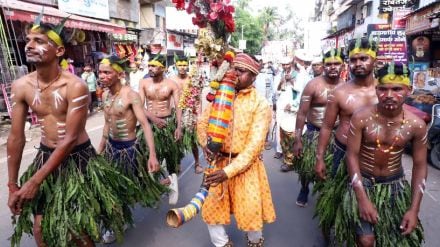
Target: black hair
{"points": [[399, 69], [45, 27], [182, 58], [159, 58], [364, 43]]}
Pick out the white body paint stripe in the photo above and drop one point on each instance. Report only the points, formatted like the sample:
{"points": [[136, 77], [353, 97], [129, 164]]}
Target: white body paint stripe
{"points": [[80, 98]]}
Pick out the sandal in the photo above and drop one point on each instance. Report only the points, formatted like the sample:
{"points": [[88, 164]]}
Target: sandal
{"points": [[198, 169]]}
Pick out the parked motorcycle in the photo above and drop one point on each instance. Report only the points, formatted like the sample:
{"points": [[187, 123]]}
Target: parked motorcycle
{"points": [[434, 137]]}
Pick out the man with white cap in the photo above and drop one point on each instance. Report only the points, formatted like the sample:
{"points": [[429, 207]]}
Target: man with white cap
{"points": [[286, 75], [317, 66]]}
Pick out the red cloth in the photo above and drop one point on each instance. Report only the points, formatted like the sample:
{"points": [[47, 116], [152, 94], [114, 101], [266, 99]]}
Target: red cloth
{"points": [[243, 60]]}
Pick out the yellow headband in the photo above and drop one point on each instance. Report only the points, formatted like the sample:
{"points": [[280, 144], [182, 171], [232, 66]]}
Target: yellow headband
{"points": [[52, 35], [395, 79], [114, 66], [181, 63], [155, 63], [330, 59], [369, 52]]}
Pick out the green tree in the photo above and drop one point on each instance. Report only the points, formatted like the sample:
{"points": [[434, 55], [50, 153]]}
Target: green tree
{"points": [[252, 28], [270, 18]]}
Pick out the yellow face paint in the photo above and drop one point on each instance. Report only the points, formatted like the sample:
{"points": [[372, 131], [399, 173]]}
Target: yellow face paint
{"points": [[181, 63], [333, 59], [155, 63], [52, 35], [369, 52], [395, 79], [114, 66]]}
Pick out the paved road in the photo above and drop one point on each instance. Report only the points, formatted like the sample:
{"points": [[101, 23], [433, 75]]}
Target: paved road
{"points": [[294, 226]]}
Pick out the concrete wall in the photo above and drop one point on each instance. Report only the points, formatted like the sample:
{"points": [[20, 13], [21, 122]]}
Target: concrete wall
{"points": [[124, 10]]}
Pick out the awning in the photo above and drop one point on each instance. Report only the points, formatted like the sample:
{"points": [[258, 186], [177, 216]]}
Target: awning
{"points": [[27, 12]]}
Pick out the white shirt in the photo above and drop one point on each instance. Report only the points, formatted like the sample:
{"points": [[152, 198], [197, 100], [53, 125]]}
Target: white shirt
{"points": [[135, 78]]}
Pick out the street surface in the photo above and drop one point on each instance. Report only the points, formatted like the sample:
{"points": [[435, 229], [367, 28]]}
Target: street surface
{"points": [[294, 225]]}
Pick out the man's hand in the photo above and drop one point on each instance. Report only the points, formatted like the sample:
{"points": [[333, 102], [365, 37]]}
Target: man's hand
{"points": [[287, 108], [159, 122], [297, 147], [409, 222], [287, 77], [367, 211], [216, 177], [153, 164], [209, 156], [178, 133], [320, 169], [26, 193]]}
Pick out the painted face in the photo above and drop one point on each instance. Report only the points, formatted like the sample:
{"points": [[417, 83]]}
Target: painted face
{"points": [[392, 96], [182, 69], [155, 71], [245, 78], [108, 76], [40, 49], [332, 68], [361, 65]]}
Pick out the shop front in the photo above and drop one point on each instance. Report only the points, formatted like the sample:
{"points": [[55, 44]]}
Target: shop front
{"points": [[88, 40], [423, 39]]}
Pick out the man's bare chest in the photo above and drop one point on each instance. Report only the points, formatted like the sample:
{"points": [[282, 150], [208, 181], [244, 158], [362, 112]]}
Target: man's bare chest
{"points": [[50, 101], [158, 92]]}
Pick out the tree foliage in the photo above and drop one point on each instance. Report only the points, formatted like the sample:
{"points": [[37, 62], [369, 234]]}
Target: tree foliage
{"points": [[252, 28]]}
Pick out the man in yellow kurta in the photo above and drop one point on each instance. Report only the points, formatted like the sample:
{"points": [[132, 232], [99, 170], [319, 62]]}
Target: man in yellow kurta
{"points": [[243, 188]]}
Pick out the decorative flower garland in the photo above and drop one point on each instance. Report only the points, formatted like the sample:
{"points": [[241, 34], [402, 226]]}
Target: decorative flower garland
{"points": [[218, 74], [190, 99]]}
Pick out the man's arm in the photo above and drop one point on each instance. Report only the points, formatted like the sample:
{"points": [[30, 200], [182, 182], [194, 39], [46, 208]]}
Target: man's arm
{"points": [[148, 133], [330, 116], [176, 95], [418, 180], [105, 130], [257, 137], [366, 208], [304, 106], [16, 138]]}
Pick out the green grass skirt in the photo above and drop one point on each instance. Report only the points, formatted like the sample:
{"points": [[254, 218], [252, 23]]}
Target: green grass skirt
{"points": [[77, 200], [391, 204], [305, 165], [132, 162], [166, 146]]}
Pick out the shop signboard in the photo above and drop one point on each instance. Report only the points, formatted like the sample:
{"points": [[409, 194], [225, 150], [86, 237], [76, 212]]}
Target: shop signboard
{"points": [[174, 42], [419, 21], [399, 21], [388, 6], [327, 44], [344, 38], [93, 8], [391, 42]]}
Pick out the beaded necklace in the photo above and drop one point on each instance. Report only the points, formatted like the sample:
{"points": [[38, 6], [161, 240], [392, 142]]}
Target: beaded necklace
{"points": [[50, 83], [395, 139]]}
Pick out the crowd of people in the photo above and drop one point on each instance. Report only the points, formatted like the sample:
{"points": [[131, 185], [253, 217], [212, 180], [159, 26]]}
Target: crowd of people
{"points": [[355, 130]]}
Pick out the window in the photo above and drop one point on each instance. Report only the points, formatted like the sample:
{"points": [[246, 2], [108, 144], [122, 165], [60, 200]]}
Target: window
{"points": [[157, 21]]}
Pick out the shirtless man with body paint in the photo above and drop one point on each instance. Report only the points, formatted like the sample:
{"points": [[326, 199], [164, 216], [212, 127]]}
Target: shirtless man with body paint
{"points": [[345, 100], [60, 100], [158, 94], [182, 79], [312, 108], [376, 141]]}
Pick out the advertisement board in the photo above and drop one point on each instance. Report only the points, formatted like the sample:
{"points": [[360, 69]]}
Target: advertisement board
{"points": [[93, 8], [391, 42]]}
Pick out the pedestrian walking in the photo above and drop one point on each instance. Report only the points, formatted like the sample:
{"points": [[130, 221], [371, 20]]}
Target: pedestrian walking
{"points": [[90, 78], [387, 206], [240, 185]]}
